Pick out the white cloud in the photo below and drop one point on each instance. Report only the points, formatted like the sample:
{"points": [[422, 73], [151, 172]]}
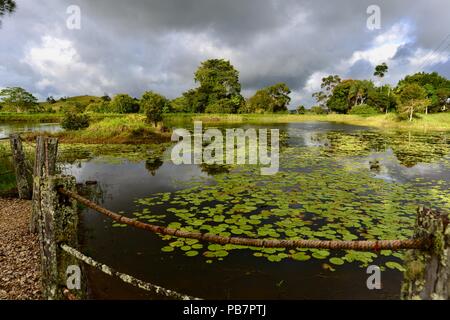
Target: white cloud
{"points": [[59, 66], [314, 81], [425, 58], [383, 48]]}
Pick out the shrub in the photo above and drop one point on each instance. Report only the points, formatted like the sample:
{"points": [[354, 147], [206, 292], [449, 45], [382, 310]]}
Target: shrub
{"points": [[153, 104], [99, 107], [363, 109], [123, 103], [75, 121], [318, 110]]}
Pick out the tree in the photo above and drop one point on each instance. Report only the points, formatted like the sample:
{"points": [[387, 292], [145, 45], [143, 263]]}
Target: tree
{"points": [[435, 86], [413, 99], [381, 70], [301, 109], [153, 105], [359, 91], [18, 99], [123, 103], [218, 81], [339, 99], [383, 100], [271, 99], [328, 85], [443, 97], [51, 100], [6, 7]]}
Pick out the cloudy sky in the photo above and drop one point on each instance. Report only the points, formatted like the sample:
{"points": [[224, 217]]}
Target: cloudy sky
{"points": [[137, 45]]}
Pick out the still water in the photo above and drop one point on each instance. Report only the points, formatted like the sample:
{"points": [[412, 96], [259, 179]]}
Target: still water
{"points": [[335, 182], [20, 127]]}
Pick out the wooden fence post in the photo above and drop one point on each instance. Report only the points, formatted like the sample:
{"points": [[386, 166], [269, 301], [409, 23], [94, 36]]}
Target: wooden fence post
{"points": [[44, 165], [20, 167], [427, 275], [59, 225]]}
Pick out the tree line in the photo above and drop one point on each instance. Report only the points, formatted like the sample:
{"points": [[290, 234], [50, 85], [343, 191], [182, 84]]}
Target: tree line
{"points": [[219, 91]]}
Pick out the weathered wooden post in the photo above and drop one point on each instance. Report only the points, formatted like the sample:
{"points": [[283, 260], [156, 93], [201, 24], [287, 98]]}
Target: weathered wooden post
{"points": [[22, 172], [427, 275], [59, 225], [44, 165]]}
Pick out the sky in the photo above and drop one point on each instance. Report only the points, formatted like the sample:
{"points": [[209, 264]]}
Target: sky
{"points": [[138, 45]]}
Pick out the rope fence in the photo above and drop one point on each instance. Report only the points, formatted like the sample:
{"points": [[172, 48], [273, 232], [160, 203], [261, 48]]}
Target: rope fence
{"points": [[426, 274], [124, 277], [421, 244]]}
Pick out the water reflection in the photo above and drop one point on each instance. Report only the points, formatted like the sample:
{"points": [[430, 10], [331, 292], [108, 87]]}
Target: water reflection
{"points": [[390, 156], [8, 128]]}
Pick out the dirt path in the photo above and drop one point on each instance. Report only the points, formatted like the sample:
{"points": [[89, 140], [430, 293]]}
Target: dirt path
{"points": [[19, 252]]}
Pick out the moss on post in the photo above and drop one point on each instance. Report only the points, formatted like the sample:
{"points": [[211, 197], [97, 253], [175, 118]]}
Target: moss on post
{"points": [[44, 165], [427, 275], [20, 167], [58, 225]]}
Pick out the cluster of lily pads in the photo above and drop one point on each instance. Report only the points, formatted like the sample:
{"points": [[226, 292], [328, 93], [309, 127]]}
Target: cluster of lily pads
{"points": [[316, 195]]}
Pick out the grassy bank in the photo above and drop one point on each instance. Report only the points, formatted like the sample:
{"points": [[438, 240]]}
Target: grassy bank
{"points": [[437, 122], [47, 117], [126, 129]]}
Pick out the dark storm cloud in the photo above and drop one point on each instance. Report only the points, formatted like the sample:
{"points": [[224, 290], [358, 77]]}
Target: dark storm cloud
{"points": [[137, 45]]}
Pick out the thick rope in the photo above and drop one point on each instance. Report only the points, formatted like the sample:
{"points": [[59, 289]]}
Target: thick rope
{"points": [[422, 244], [124, 277]]}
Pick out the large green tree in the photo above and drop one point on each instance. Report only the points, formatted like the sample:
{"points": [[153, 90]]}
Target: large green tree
{"points": [[339, 99], [328, 84], [271, 99], [219, 88], [153, 104], [18, 100], [436, 86]]}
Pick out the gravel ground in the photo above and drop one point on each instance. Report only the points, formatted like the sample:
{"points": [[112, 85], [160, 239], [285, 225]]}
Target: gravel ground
{"points": [[19, 252]]}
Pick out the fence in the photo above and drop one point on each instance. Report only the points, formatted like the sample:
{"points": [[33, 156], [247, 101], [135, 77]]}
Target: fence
{"points": [[55, 218]]}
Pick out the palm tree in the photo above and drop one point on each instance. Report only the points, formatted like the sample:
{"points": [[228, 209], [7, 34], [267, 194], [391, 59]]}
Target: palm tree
{"points": [[7, 7], [380, 72]]}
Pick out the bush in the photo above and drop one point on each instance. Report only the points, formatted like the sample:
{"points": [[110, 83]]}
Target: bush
{"points": [[153, 104], [99, 107], [75, 121], [318, 110], [123, 103], [363, 109]]}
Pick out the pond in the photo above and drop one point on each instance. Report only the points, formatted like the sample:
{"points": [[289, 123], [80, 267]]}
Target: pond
{"points": [[21, 127], [335, 182]]}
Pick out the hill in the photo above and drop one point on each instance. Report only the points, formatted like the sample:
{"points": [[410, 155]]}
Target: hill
{"points": [[62, 103]]}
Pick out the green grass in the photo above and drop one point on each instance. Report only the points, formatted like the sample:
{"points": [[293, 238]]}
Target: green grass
{"points": [[126, 129], [30, 117], [7, 177], [437, 122], [48, 117]]}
